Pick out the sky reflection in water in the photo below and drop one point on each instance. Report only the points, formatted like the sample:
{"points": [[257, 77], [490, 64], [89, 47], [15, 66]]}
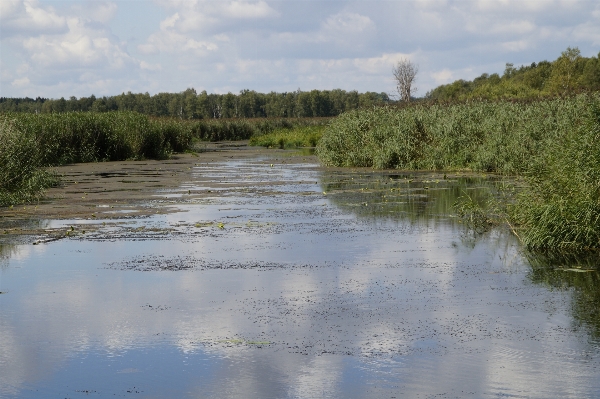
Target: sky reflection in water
{"points": [[300, 294]]}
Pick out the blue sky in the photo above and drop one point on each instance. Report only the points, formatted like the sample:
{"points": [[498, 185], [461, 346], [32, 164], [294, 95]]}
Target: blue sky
{"points": [[77, 48]]}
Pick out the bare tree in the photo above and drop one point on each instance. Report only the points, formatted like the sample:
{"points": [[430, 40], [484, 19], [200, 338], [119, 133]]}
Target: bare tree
{"points": [[405, 73]]}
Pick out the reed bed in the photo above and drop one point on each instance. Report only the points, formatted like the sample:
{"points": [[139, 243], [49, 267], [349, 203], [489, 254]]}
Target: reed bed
{"points": [[29, 143], [304, 136], [554, 144], [244, 129], [21, 179]]}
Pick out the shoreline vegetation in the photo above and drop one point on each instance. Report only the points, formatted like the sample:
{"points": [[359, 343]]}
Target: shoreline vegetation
{"points": [[553, 145], [529, 123], [31, 143]]}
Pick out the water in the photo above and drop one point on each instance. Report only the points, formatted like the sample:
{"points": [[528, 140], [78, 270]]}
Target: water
{"points": [[291, 282]]}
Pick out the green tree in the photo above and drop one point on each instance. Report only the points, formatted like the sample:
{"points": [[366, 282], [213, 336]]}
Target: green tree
{"points": [[563, 79]]}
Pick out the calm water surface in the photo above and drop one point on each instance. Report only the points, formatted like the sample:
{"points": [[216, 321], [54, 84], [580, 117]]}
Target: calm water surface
{"points": [[291, 282]]}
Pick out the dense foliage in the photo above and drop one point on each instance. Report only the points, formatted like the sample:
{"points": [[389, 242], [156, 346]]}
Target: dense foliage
{"points": [[554, 144], [302, 136], [21, 179], [30, 142], [192, 105], [568, 74], [501, 137], [561, 208]]}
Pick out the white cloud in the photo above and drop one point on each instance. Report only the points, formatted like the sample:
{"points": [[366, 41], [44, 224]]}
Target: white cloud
{"points": [[98, 11], [380, 64], [516, 45], [589, 31], [268, 45], [21, 82], [27, 17], [243, 9], [81, 46], [442, 77], [150, 67], [513, 27], [348, 23], [172, 42]]}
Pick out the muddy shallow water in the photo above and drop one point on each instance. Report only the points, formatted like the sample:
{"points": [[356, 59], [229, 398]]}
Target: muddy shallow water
{"points": [[279, 279]]}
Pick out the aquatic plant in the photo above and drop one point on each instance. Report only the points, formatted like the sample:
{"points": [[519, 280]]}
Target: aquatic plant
{"points": [[306, 136], [554, 144], [500, 137], [30, 142], [561, 207], [21, 179]]}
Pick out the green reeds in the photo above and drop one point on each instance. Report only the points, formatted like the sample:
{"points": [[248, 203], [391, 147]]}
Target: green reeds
{"points": [[30, 142], [501, 137], [21, 179], [554, 144], [306, 136], [560, 210], [244, 129]]}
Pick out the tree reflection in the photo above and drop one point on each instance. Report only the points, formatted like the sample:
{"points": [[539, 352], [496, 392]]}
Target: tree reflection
{"points": [[579, 273]]}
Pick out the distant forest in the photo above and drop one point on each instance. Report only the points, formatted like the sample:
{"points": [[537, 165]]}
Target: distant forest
{"points": [[192, 105], [570, 73]]}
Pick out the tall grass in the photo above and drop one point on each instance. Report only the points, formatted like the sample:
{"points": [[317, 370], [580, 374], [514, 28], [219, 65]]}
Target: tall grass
{"points": [[21, 179], [503, 137], [306, 136], [92, 137], [244, 129], [30, 142], [554, 144], [561, 207]]}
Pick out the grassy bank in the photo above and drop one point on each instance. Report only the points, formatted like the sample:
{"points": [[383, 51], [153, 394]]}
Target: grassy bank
{"points": [[244, 129], [554, 144], [302, 136], [503, 137], [29, 143]]}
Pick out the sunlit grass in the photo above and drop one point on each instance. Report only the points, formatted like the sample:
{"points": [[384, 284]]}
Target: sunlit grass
{"points": [[553, 144], [304, 136]]}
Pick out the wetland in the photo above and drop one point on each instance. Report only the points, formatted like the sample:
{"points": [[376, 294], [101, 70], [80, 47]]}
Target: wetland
{"points": [[242, 272]]}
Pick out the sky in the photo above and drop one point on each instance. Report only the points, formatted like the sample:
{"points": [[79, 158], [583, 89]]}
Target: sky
{"points": [[78, 48]]}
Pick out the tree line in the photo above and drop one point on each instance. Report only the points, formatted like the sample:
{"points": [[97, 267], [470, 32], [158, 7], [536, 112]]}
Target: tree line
{"points": [[192, 105], [570, 73]]}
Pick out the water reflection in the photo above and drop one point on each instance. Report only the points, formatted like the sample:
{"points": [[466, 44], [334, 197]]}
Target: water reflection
{"points": [[423, 197], [319, 296], [578, 274]]}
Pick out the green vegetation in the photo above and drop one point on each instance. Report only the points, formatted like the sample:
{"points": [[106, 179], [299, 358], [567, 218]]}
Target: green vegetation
{"points": [[561, 207], [92, 137], [21, 180], [554, 144], [192, 105], [501, 137], [29, 143], [307, 136], [568, 74], [243, 129]]}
